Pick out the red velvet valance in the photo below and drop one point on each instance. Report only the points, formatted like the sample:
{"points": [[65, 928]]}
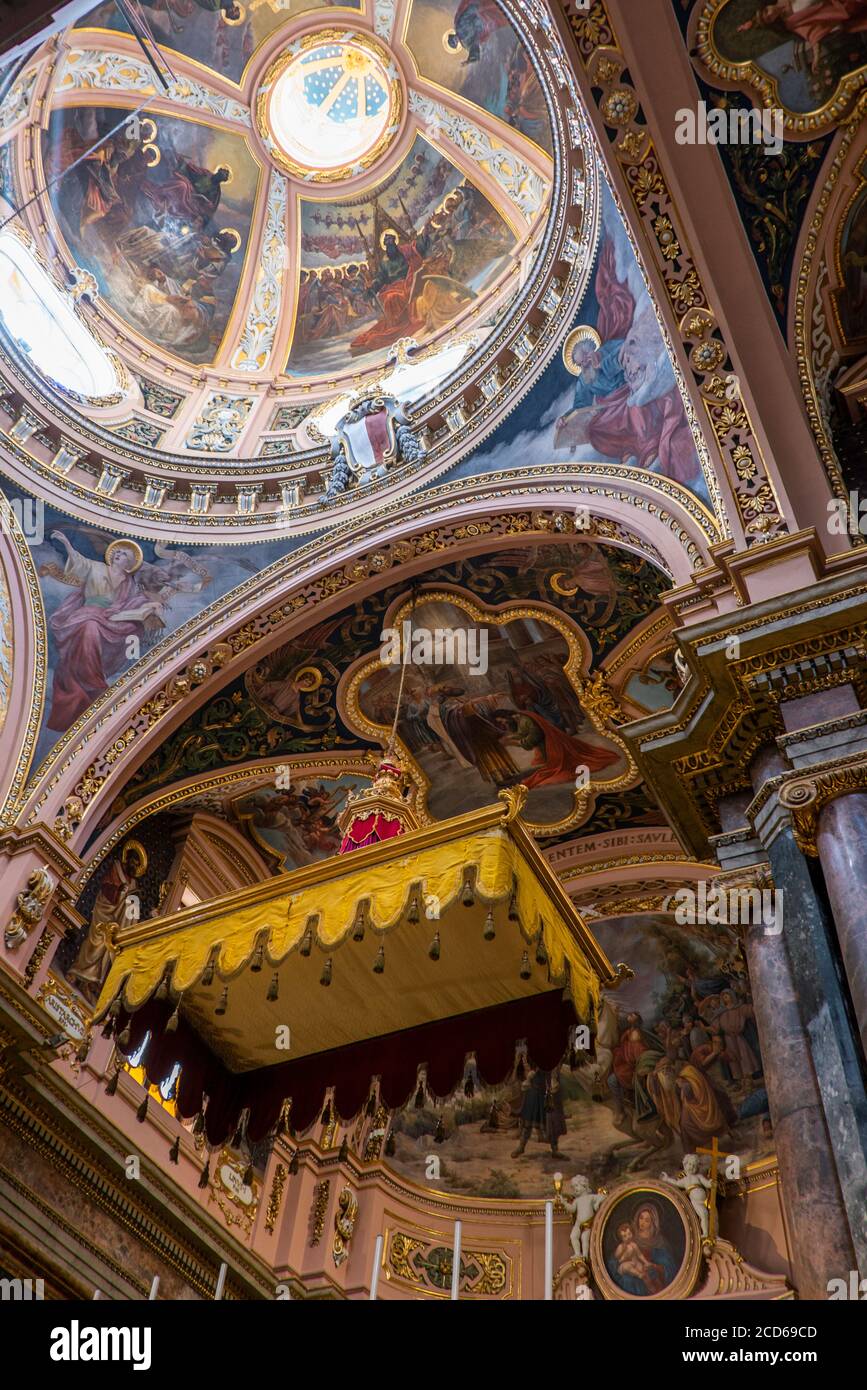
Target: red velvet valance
{"points": [[543, 1020]]}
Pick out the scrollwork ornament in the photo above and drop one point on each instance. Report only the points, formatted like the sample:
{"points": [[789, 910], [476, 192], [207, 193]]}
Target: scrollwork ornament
{"points": [[32, 904]]}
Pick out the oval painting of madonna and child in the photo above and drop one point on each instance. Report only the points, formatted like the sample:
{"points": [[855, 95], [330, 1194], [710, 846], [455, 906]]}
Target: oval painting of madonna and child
{"points": [[645, 1244]]}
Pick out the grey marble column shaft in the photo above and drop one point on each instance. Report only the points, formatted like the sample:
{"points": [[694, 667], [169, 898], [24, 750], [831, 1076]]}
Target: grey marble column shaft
{"points": [[820, 1244], [842, 844]]}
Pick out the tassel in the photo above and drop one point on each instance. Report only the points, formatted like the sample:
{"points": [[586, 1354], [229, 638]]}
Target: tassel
{"points": [[141, 1113], [172, 1023], [111, 1084], [469, 1088], [468, 897], [489, 932], [175, 1151], [358, 928], [440, 1132], [343, 1153], [541, 953], [412, 914], [205, 1175], [199, 1123], [273, 989], [525, 971], [248, 1175], [223, 1002], [325, 977], [108, 1026], [390, 1145], [208, 973], [434, 948], [114, 1007], [306, 943], [162, 990], [258, 958], [379, 963], [513, 907], [567, 988], [419, 1097], [123, 1038], [294, 1165]]}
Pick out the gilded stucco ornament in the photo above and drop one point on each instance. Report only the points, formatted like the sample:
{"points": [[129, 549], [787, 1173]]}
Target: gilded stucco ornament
{"points": [[32, 905], [373, 435]]}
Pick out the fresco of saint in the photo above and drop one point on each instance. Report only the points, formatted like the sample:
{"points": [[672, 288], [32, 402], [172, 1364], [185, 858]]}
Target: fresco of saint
{"points": [[807, 48], [470, 48], [148, 228], [406, 263]]}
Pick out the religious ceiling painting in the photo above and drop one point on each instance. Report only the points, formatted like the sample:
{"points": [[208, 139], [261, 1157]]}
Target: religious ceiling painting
{"points": [[294, 822], [497, 705], [469, 47], [160, 214], [218, 34], [406, 260], [109, 599], [807, 56], [539, 704], [675, 1062], [612, 393]]}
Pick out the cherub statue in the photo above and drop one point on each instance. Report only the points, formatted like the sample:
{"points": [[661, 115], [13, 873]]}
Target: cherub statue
{"points": [[696, 1186], [584, 1206]]}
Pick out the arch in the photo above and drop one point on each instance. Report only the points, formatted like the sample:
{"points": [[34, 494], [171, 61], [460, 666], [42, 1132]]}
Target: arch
{"points": [[649, 515]]}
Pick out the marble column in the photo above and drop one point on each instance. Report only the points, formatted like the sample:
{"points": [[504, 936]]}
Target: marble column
{"points": [[820, 1242], [842, 845], [807, 934]]}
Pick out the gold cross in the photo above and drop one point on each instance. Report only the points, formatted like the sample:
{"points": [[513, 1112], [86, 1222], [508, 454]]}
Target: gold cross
{"points": [[716, 1153]]}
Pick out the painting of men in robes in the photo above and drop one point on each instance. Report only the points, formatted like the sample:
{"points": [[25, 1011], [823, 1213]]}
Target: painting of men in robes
{"points": [[159, 211], [109, 599], [807, 48], [471, 48], [666, 1073], [613, 397], [626, 405], [222, 35], [474, 732], [406, 262]]}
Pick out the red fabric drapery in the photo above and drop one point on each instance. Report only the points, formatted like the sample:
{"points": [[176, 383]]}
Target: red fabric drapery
{"points": [[370, 830], [543, 1020]]}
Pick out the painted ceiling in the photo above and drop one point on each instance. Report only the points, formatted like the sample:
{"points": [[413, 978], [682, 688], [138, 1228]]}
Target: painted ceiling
{"points": [[302, 192], [286, 742]]}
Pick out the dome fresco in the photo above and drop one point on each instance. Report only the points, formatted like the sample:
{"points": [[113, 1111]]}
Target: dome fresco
{"points": [[413, 449], [300, 193]]}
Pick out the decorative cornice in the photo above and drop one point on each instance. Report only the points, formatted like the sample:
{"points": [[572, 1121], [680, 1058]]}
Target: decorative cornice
{"points": [[739, 452]]}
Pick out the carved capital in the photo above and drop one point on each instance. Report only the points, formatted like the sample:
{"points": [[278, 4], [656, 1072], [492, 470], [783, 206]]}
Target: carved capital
{"points": [[806, 796]]}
